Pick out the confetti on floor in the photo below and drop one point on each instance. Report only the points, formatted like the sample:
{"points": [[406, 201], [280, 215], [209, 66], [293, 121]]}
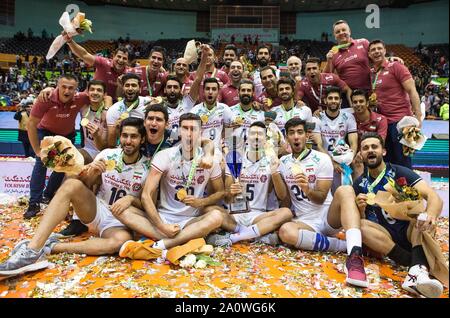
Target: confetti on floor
{"points": [[246, 270]]}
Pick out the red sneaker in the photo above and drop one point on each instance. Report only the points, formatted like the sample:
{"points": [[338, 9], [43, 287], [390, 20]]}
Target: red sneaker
{"points": [[354, 269]]}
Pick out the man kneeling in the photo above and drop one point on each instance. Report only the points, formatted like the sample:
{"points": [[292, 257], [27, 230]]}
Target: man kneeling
{"points": [[92, 210]]}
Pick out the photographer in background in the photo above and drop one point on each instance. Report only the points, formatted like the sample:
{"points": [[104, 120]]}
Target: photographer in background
{"points": [[22, 115]]}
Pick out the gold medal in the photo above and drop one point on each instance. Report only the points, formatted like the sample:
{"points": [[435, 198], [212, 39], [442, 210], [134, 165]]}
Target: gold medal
{"points": [[296, 169], [204, 118], [373, 98], [84, 122], [158, 100], [124, 116], [181, 194], [269, 102], [334, 49], [110, 165], [371, 198], [239, 120]]}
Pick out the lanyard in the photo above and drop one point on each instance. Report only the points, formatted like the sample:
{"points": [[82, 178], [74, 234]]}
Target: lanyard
{"points": [[241, 111], [133, 105], [374, 83], [191, 170], [97, 113], [285, 112], [149, 87], [210, 112], [302, 155], [343, 46], [372, 185], [157, 149], [319, 98]]}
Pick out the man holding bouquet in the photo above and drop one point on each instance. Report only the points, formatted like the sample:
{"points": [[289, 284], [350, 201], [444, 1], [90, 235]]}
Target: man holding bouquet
{"points": [[56, 116], [387, 235]]}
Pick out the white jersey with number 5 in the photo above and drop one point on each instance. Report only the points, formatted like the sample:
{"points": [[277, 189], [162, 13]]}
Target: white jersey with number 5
{"points": [[170, 164], [316, 166], [214, 127], [255, 179], [124, 179], [333, 130]]}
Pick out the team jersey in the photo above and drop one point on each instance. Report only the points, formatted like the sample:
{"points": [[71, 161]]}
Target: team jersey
{"points": [[184, 106], [397, 228], [119, 108], [255, 179], [249, 118], [302, 112], [333, 130], [175, 172], [214, 127], [97, 119], [124, 179], [316, 166]]}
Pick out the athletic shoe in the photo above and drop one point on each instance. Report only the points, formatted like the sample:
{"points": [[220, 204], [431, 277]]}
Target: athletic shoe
{"points": [[418, 282], [221, 240], [269, 239], [354, 269], [32, 211], [74, 228], [23, 260]]}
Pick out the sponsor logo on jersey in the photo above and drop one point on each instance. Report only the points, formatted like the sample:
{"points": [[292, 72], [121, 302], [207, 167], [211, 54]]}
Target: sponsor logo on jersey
{"points": [[136, 187], [311, 178], [263, 178], [200, 179]]}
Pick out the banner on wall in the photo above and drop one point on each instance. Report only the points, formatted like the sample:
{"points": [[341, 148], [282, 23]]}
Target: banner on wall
{"points": [[15, 176], [264, 35]]}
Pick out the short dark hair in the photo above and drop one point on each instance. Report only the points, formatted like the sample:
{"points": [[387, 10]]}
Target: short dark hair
{"points": [[339, 22], [362, 92], [333, 89], [293, 122], [265, 68], [258, 124], [262, 46], [121, 49], [157, 108], [129, 76], [315, 60], [69, 77], [159, 49], [286, 80], [372, 134], [190, 116], [230, 47], [211, 80], [377, 41], [246, 81], [97, 82], [174, 78], [135, 122]]}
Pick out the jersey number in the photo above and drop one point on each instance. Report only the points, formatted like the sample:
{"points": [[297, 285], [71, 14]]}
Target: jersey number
{"points": [[212, 134], [250, 192], [331, 145], [298, 193], [116, 195]]}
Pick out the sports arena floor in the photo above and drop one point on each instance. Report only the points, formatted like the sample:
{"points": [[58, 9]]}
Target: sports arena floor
{"points": [[245, 270]]}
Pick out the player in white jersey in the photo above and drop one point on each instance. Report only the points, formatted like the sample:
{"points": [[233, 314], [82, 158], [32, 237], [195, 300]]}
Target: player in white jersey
{"points": [[334, 127], [242, 114], [258, 177], [180, 214], [308, 175], [132, 105], [289, 109], [212, 113], [93, 121], [119, 189]]}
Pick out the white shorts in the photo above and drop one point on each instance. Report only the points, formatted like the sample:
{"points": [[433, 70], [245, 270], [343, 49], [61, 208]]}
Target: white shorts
{"points": [[247, 219], [317, 219], [103, 219], [181, 220]]}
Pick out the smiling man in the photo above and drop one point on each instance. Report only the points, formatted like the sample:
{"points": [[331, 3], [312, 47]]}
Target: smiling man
{"points": [[229, 92]]}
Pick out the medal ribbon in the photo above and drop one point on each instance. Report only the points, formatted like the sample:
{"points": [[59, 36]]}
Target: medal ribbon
{"points": [[149, 87], [133, 105], [374, 83], [241, 111], [372, 185], [191, 170]]}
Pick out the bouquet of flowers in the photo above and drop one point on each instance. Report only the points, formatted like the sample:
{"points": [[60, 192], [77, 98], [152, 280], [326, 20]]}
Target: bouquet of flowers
{"points": [[59, 154], [78, 25], [343, 155], [401, 201], [410, 135]]}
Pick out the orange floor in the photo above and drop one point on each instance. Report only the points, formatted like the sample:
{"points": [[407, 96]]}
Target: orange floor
{"points": [[246, 270]]}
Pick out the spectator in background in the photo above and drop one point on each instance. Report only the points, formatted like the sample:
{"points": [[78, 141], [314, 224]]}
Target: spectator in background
{"points": [[443, 111], [23, 115]]}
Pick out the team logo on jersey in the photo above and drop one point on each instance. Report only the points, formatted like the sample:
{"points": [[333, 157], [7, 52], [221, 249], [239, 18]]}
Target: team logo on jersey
{"points": [[136, 187], [137, 175], [342, 133], [311, 178], [200, 179], [309, 170], [263, 178]]}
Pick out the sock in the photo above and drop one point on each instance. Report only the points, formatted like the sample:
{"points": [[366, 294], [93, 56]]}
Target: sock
{"points": [[160, 245], [400, 255], [353, 238], [312, 241], [238, 228], [418, 256], [245, 233]]}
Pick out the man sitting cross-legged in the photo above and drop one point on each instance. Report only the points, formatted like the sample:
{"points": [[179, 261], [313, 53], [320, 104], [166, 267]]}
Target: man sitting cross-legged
{"points": [[180, 214], [93, 210], [319, 216], [258, 177]]}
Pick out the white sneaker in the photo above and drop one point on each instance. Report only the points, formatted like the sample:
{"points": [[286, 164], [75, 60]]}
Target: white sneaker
{"points": [[419, 283]]}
